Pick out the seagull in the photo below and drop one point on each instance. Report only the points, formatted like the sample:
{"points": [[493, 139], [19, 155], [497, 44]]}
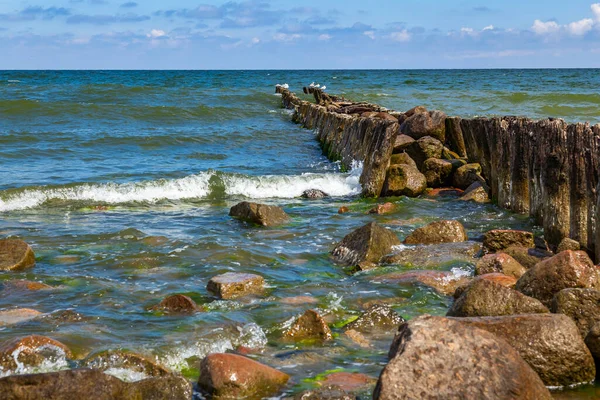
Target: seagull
{"points": [[312, 85], [317, 85]]}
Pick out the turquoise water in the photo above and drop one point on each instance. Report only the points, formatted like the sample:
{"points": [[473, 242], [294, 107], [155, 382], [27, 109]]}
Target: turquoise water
{"points": [[122, 181]]}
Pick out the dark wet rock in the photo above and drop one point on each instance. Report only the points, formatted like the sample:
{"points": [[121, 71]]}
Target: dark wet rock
{"points": [[448, 154], [377, 318], [25, 285], [126, 360], [421, 124], [404, 180], [402, 158], [314, 194], [445, 231], [232, 285], [15, 255], [569, 269], [499, 262], [592, 341], [425, 148], [402, 142], [31, 351], [425, 364], [477, 193], [456, 164], [582, 305], [326, 393], [310, 326], [260, 214], [444, 282], [17, 315], [229, 376], [568, 244], [527, 257], [484, 298], [466, 175], [549, 343], [343, 210], [432, 256], [500, 239], [365, 246], [177, 304], [437, 172], [384, 208], [79, 384]]}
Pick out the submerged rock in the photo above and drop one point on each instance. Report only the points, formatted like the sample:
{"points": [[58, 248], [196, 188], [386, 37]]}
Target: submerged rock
{"points": [[437, 172], [499, 262], [549, 343], [327, 393], [434, 255], [444, 282], [343, 210], [404, 180], [31, 351], [177, 304], [260, 214], [229, 376], [501, 239], [365, 246], [22, 284], [466, 175], [425, 364], [232, 285], [310, 326], [347, 381], [445, 231], [420, 124], [582, 305], [384, 208], [15, 255], [17, 315], [123, 359], [378, 318], [314, 194]]}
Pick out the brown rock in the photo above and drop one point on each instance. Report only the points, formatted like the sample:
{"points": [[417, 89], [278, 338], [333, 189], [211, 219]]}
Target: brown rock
{"points": [[440, 358], [421, 124], [22, 284], [499, 262], [177, 304], [483, 298], [348, 381], [402, 142], [32, 351], [527, 257], [438, 232], [498, 278], [11, 317], [402, 158], [582, 305], [327, 393], [549, 343], [444, 282], [314, 194], [384, 208], [568, 244], [15, 255], [358, 338], [299, 300], [415, 110], [569, 269], [466, 175], [425, 148], [232, 285], [437, 172], [365, 246], [404, 180], [448, 154], [229, 376], [260, 214], [592, 341], [498, 240], [385, 116], [310, 326], [343, 210], [444, 192], [379, 318], [476, 193], [433, 256], [127, 360]]}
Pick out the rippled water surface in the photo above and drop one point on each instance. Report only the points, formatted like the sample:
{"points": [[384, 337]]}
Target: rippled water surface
{"points": [[122, 182]]}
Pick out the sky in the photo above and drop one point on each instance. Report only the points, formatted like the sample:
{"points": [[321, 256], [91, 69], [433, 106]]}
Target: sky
{"points": [[295, 34]]}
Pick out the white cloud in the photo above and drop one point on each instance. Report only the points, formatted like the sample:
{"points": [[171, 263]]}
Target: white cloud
{"points": [[467, 31], [369, 34], [156, 33], [324, 37], [596, 11], [489, 28], [401, 36], [255, 40], [580, 28], [284, 37], [544, 28]]}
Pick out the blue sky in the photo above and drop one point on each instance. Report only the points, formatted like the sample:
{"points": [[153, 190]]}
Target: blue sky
{"points": [[263, 34]]}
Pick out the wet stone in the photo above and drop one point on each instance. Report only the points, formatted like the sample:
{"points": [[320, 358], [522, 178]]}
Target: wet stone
{"points": [[233, 285], [327, 393], [500, 239], [299, 300], [31, 351], [499, 262], [177, 304], [527, 257], [15, 316], [476, 193], [314, 194], [377, 318], [384, 208], [260, 214], [404, 180], [438, 232], [568, 244], [444, 282], [126, 360], [466, 175], [343, 210], [15, 255], [348, 381], [582, 305], [310, 326], [358, 338], [22, 284]]}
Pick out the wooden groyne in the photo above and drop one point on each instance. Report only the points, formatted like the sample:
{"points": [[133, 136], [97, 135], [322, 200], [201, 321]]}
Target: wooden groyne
{"points": [[548, 169]]}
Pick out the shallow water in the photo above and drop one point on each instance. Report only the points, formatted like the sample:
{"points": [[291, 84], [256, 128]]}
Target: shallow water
{"points": [[122, 182]]}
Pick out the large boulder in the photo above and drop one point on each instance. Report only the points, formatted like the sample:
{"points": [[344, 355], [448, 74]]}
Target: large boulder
{"points": [[550, 343], [592, 341], [404, 180], [437, 172], [92, 384], [568, 244], [229, 376], [232, 285], [15, 255], [477, 193], [177, 304], [377, 318], [466, 175], [445, 231], [31, 351], [569, 269], [365, 246], [309, 326], [314, 194], [484, 298], [260, 214], [500, 239], [582, 305], [420, 124], [497, 278], [402, 158], [527, 257], [425, 148], [402, 142], [499, 262], [440, 358]]}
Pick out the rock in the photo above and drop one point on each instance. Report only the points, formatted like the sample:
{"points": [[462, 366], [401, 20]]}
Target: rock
{"points": [[385, 116], [499, 262], [347, 381], [310, 326], [527, 257], [476, 193], [445, 231], [229, 376], [484, 298], [437, 172], [60, 317], [384, 208], [440, 358], [498, 278], [15, 255], [415, 110], [444, 192], [404, 180], [549, 343], [402, 158], [568, 244], [466, 175], [314, 194], [299, 300], [92, 384], [432, 256], [425, 148], [177, 304], [454, 136], [22, 284], [260, 214], [343, 210], [582, 305], [444, 282], [232, 285], [592, 341], [327, 393], [377, 318], [31, 351], [365, 246], [17, 315], [122, 359], [358, 338], [420, 124], [448, 154], [402, 142], [500, 239], [569, 269]]}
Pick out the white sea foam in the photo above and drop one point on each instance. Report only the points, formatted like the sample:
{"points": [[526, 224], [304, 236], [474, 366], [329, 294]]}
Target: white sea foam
{"points": [[196, 186]]}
